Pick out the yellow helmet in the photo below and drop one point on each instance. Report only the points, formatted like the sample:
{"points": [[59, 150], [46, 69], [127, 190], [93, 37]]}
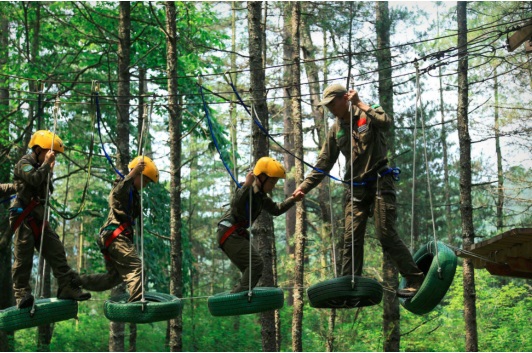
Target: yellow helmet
{"points": [[270, 167], [43, 139], [150, 170]]}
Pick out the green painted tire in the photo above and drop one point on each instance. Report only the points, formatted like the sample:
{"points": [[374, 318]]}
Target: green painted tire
{"points": [[47, 311], [339, 293], [262, 299], [157, 307], [435, 286]]}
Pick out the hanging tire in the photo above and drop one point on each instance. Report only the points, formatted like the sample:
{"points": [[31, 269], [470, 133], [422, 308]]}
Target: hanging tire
{"points": [[157, 307], [339, 293], [47, 311], [262, 299], [436, 284]]}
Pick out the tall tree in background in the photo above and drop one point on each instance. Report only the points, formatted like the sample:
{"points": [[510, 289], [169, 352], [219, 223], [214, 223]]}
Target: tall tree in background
{"points": [[176, 278], [116, 329], [6, 294], [391, 316], [263, 226], [466, 209], [300, 231]]}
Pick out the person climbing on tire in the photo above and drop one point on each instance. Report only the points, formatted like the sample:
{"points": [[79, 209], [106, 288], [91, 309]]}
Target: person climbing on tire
{"points": [[374, 193], [122, 261], [232, 235], [27, 213]]}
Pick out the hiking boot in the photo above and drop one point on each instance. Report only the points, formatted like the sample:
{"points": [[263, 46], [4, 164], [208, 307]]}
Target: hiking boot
{"points": [[72, 291], [26, 301], [411, 288]]}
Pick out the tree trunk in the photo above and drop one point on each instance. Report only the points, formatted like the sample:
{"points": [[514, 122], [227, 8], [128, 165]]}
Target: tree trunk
{"points": [[391, 315], [6, 295], [288, 159], [466, 210], [124, 47], [44, 332], [300, 234], [263, 226], [117, 334], [500, 176], [176, 279]]}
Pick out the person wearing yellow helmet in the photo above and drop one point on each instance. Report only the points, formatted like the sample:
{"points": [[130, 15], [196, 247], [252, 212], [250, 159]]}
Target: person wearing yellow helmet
{"points": [[232, 235], [26, 216], [122, 261]]}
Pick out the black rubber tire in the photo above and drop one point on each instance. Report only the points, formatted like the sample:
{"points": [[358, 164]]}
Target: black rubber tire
{"points": [[47, 311], [157, 307], [339, 293], [262, 299], [434, 286]]}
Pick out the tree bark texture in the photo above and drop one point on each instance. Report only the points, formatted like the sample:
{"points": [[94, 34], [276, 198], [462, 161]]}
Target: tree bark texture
{"points": [[116, 330], [300, 232], [466, 210], [176, 279], [124, 47], [391, 315], [263, 226]]}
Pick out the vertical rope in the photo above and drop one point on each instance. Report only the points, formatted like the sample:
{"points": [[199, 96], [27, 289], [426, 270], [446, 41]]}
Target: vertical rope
{"points": [[414, 163], [46, 216], [250, 292], [351, 195], [326, 127], [427, 168]]}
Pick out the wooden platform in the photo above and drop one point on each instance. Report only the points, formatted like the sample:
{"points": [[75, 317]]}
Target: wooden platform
{"points": [[507, 254]]}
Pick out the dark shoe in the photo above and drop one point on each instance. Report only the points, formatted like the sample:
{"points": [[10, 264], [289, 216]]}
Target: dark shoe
{"points": [[411, 288], [72, 291], [26, 301]]}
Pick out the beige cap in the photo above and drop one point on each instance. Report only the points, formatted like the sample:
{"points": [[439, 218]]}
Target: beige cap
{"points": [[331, 92]]}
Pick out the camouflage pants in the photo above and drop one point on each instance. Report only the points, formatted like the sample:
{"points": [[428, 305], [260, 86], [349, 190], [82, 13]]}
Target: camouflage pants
{"points": [[236, 247], [53, 252], [124, 265], [377, 201]]}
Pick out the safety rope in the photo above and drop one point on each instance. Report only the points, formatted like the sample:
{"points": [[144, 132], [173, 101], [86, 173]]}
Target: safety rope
{"points": [[250, 290], [351, 195], [418, 101], [46, 216], [331, 206], [209, 123]]}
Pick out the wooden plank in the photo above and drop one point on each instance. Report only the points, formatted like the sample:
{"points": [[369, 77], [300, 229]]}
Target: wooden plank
{"points": [[520, 36]]}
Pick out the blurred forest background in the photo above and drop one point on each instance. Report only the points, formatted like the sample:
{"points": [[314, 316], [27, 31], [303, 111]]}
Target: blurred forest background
{"points": [[145, 60]]}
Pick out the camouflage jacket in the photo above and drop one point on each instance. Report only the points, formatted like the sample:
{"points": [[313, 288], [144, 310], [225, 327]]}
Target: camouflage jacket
{"points": [[369, 147], [239, 210], [30, 179]]}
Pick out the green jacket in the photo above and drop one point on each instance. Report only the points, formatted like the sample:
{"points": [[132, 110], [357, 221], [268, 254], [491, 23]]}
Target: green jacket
{"points": [[238, 212], [124, 204], [369, 147], [30, 182]]}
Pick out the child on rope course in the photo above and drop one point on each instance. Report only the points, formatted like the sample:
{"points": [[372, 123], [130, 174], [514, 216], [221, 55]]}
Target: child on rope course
{"points": [[26, 216], [116, 236], [232, 235], [374, 194]]}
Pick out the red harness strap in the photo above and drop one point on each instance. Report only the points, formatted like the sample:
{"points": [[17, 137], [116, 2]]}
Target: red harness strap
{"points": [[25, 214], [112, 238], [230, 231]]}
